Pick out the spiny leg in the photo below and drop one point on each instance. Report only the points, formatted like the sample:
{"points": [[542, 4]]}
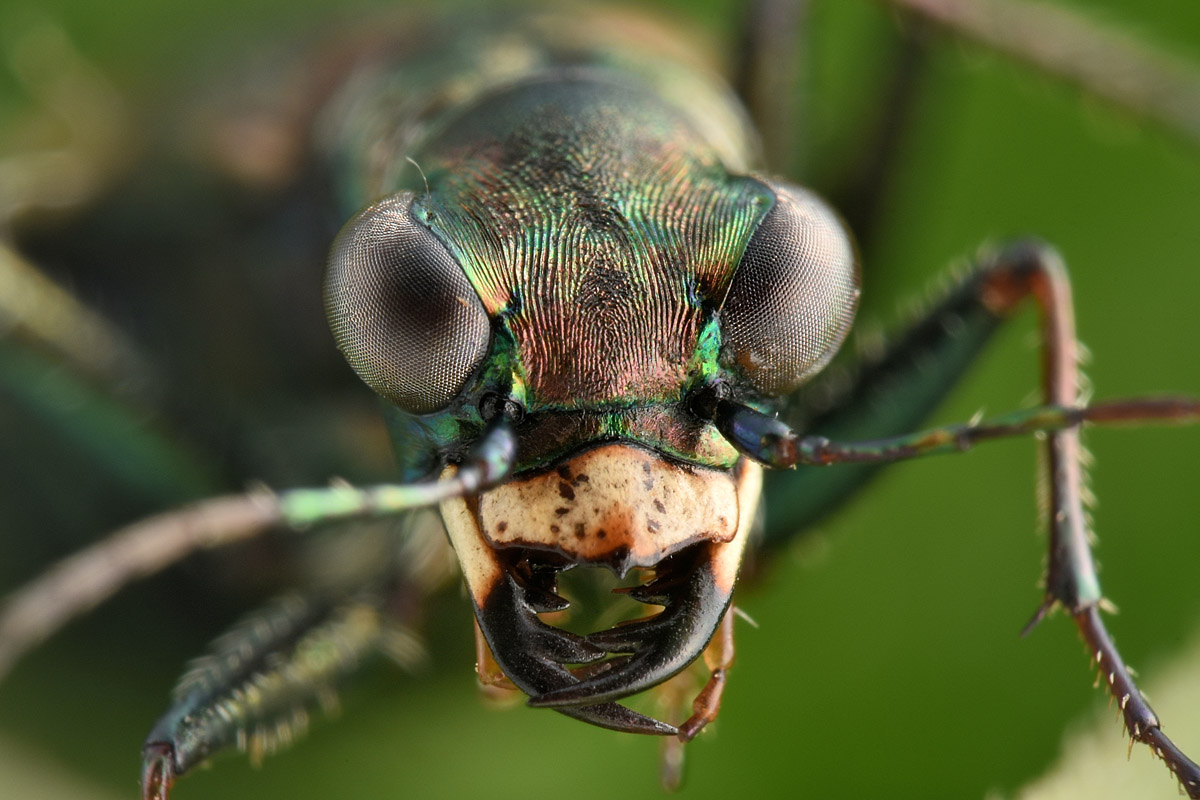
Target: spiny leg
{"points": [[1071, 577], [774, 59], [257, 686], [767, 76], [863, 196], [259, 682], [895, 385], [1002, 282]]}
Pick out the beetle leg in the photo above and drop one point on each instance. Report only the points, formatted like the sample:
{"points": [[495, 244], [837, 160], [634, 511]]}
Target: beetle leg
{"points": [[858, 408], [492, 680], [767, 74], [1071, 577], [256, 686], [861, 197], [718, 657], [1079, 50], [685, 690], [1027, 270]]}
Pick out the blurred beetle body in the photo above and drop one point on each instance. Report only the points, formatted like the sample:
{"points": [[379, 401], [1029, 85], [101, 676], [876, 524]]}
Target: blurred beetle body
{"points": [[444, 437]]}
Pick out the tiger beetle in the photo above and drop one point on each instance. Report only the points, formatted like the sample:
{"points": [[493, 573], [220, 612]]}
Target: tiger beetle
{"points": [[598, 329]]}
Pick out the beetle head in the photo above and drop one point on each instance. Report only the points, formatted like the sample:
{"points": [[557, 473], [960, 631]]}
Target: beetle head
{"points": [[604, 289]]}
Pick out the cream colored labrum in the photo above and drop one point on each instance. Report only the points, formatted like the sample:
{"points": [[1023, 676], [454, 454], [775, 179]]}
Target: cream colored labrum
{"points": [[617, 505]]}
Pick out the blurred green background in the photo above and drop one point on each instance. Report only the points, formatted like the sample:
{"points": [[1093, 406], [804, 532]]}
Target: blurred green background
{"points": [[886, 659]]}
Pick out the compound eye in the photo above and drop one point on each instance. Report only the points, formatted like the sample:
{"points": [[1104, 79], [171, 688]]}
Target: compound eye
{"points": [[793, 297], [401, 308]]}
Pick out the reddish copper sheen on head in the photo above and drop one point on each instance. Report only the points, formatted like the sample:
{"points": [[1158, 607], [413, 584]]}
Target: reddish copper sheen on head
{"points": [[597, 223]]}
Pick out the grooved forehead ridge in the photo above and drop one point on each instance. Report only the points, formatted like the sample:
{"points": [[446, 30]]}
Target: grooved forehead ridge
{"points": [[598, 224]]}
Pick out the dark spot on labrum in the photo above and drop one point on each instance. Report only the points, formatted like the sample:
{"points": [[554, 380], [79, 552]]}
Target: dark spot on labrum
{"points": [[648, 484], [564, 472], [565, 491], [502, 526], [658, 504], [555, 529], [602, 534], [579, 530], [561, 512]]}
